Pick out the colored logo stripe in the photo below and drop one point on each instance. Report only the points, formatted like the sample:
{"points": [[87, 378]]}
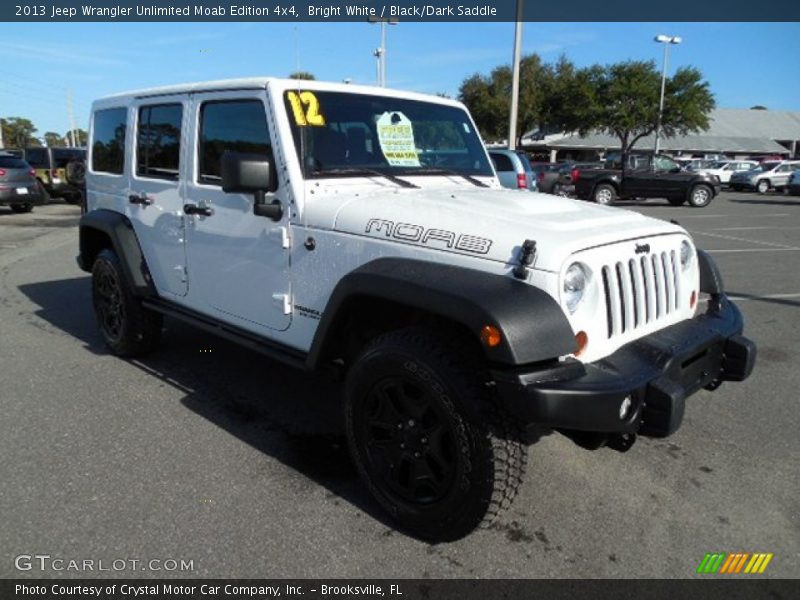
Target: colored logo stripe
{"points": [[722, 562]]}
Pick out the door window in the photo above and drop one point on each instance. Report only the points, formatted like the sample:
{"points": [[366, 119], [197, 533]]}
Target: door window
{"points": [[235, 125], [158, 141], [108, 140], [502, 162]]}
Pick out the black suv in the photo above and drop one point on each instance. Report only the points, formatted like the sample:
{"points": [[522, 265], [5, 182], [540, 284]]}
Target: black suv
{"points": [[60, 172]]}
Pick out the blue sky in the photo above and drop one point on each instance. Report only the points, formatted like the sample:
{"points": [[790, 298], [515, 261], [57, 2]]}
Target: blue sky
{"points": [[745, 63]]}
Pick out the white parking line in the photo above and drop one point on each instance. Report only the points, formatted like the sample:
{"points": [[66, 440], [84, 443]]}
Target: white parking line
{"points": [[767, 297], [752, 228], [734, 216], [753, 250], [738, 239]]}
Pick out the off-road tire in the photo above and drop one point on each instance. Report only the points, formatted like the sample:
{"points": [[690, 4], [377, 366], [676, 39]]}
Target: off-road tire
{"points": [[471, 467], [22, 208], [43, 192], [762, 187], [676, 201], [128, 328], [605, 194], [700, 196]]}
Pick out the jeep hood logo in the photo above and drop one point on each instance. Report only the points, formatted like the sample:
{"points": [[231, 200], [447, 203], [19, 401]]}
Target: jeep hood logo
{"points": [[642, 248], [438, 238]]}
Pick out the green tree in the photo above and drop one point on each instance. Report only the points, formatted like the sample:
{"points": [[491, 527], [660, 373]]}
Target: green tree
{"points": [[302, 75], [53, 139], [81, 137], [627, 98], [758, 107], [551, 97], [18, 131]]}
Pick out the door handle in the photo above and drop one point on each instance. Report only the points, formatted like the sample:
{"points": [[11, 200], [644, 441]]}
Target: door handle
{"points": [[143, 199], [193, 209]]}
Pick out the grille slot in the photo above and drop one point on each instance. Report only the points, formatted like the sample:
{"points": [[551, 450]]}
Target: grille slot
{"points": [[640, 291]]}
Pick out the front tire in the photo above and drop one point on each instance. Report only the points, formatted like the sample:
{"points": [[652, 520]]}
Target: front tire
{"points": [[433, 449], [700, 196], [128, 328], [605, 194], [763, 186]]}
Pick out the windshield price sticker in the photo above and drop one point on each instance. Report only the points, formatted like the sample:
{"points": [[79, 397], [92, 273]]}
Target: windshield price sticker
{"points": [[396, 138], [305, 108]]}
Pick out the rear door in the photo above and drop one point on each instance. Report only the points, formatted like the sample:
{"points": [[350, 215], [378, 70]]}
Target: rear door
{"points": [[155, 203]]}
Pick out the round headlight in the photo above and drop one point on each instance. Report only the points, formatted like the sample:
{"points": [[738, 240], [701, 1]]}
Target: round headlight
{"points": [[574, 285], [686, 255]]}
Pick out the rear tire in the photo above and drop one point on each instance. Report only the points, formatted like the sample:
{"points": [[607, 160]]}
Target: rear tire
{"points": [[22, 208], [431, 446], [128, 328], [605, 194], [700, 196], [43, 192]]}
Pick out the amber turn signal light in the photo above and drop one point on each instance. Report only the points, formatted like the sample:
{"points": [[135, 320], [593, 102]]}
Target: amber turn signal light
{"points": [[490, 336], [581, 339]]}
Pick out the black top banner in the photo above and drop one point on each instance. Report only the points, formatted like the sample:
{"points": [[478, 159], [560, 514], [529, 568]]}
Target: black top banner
{"points": [[400, 10]]}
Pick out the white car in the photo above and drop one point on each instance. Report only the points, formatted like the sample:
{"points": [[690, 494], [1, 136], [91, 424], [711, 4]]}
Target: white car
{"points": [[725, 168], [363, 232]]}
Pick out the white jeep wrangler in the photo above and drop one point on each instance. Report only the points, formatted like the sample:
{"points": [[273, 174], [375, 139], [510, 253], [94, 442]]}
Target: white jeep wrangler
{"points": [[363, 230]]}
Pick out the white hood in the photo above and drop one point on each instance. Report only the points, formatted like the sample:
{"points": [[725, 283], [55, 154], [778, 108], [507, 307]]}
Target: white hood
{"points": [[559, 226]]}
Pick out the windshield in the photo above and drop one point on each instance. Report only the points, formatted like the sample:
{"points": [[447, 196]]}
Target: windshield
{"points": [[338, 134]]}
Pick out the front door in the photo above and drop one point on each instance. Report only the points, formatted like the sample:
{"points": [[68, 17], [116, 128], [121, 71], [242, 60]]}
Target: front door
{"points": [[238, 263], [154, 203]]}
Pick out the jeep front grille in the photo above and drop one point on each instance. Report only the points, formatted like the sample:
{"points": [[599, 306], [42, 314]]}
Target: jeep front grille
{"points": [[640, 291]]}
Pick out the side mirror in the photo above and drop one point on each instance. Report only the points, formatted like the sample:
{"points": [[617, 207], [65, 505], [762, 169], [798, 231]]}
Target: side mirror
{"points": [[246, 173]]}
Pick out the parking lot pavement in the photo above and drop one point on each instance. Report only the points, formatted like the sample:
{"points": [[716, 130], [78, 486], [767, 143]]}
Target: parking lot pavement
{"points": [[210, 453]]}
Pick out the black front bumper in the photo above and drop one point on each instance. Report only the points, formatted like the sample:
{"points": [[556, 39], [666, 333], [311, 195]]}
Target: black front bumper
{"points": [[657, 373]]}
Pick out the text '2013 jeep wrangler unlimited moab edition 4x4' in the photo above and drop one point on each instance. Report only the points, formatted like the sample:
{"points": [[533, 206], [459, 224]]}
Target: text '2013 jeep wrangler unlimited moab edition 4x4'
{"points": [[364, 230]]}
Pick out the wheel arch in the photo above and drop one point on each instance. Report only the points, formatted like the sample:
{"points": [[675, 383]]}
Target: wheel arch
{"points": [[100, 229], [406, 291]]}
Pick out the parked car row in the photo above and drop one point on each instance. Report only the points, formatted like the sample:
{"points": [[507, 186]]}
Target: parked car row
{"points": [[695, 181], [59, 172]]}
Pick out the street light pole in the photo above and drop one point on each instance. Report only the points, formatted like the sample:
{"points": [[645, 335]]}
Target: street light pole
{"points": [[380, 53], [512, 119], [666, 40]]}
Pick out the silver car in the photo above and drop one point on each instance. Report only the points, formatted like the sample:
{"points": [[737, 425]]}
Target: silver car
{"points": [[770, 175], [514, 170]]}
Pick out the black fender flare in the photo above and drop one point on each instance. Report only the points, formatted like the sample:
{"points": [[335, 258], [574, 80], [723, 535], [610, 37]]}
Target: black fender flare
{"points": [[119, 230], [531, 322], [710, 276]]}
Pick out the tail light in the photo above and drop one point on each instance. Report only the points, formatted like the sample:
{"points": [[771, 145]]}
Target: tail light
{"points": [[32, 172], [53, 172], [575, 174], [2, 172], [540, 176], [522, 181]]}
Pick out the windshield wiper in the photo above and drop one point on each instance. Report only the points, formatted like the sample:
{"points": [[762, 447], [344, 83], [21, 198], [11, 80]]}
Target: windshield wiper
{"points": [[437, 171], [360, 171]]}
